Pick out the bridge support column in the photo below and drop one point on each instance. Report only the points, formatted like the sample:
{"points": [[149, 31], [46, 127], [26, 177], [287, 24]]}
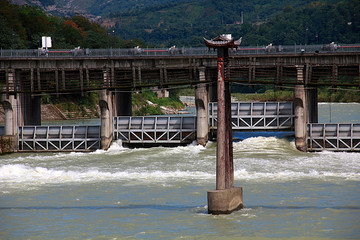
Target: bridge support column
{"points": [[106, 107], [300, 109], [9, 141], [11, 117], [226, 198], [201, 102]]}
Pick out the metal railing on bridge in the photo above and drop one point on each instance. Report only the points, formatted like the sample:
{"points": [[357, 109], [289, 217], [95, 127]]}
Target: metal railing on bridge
{"points": [[109, 52], [59, 138], [257, 115], [333, 137], [155, 129]]}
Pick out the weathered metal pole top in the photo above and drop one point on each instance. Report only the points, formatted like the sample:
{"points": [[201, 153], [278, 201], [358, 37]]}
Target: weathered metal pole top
{"points": [[223, 41]]}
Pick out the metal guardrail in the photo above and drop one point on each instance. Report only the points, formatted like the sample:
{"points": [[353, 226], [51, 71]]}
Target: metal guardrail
{"points": [[77, 52], [257, 115], [333, 137], [59, 138], [155, 129]]}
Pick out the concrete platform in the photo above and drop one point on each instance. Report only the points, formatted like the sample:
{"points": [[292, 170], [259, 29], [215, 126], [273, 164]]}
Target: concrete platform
{"points": [[225, 201]]}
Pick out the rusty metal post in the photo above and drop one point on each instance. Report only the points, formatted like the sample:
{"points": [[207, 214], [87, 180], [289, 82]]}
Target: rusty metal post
{"points": [[221, 123], [229, 164], [226, 198], [225, 169]]}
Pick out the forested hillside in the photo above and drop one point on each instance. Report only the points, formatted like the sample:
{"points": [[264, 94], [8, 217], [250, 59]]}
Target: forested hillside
{"points": [[184, 23], [92, 8], [21, 27], [258, 22]]}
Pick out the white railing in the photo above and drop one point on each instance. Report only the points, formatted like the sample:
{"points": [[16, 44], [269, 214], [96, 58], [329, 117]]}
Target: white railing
{"points": [[333, 137], [59, 138], [256, 115], [189, 51], [155, 129]]}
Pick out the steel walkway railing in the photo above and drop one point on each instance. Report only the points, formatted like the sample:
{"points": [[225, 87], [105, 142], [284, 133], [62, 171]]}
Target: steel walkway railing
{"points": [[161, 52]]}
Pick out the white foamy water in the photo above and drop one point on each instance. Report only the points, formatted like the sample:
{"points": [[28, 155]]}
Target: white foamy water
{"points": [[255, 159], [160, 193]]}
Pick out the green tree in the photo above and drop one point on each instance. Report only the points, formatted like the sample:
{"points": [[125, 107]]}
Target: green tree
{"points": [[94, 39]]}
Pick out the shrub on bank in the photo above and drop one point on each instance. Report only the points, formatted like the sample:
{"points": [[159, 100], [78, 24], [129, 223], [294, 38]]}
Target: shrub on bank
{"points": [[324, 95]]}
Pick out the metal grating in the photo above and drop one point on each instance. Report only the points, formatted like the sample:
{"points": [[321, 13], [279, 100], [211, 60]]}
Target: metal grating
{"points": [[59, 138], [155, 129], [333, 137], [256, 115]]}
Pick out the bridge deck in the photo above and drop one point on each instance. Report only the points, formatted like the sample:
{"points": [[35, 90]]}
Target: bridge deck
{"points": [[64, 74]]}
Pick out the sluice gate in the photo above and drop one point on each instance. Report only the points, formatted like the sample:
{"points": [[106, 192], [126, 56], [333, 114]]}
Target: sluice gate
{"points": [[161, 130], [257, 115], [59, 138], [155, 129], [333, 137]]}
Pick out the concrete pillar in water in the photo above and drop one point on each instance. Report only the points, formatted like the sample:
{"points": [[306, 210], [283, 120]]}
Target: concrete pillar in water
{"points": [[201, 102], [300, 109], [106, 108], [11, 118], [10, 104]]}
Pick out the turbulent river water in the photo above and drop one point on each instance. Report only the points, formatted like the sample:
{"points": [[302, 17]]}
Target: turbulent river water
{"points": [[160, 193]]}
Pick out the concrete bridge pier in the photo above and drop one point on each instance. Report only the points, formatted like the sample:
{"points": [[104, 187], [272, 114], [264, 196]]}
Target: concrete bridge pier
{"points": [[8, 142], [201, 102], [11, 114], [300, 110], [106, 108]]}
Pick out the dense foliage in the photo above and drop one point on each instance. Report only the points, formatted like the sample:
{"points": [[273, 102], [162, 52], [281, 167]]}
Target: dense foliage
{"points": [[325, 94], [185, 23], [147, 103], [278, 22], [23, 26]]}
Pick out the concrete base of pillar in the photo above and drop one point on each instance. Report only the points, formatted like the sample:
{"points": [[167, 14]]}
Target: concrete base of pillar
{"points": [[225, 201], [300, 144], [202, 141], [106, 142], [8, 143]]}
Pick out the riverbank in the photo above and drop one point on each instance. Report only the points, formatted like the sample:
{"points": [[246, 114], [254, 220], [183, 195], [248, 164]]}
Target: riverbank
{"points": [[50, 112]]}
